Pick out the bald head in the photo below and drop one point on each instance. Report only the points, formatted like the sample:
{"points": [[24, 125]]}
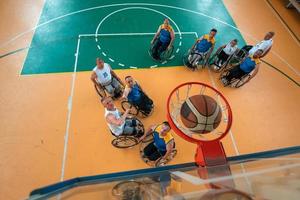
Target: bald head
{"points": [[269, 35]]}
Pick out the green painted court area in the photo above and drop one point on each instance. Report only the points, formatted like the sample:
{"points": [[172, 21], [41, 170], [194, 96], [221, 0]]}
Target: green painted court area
{"points": [[119, 33]]}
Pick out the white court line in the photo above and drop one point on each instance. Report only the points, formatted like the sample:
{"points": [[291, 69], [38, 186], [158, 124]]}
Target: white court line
{"points": [[70, 102], [198, 181], [121, 64], [141, 4], [284, 25], [112, 60], [128, 34]]}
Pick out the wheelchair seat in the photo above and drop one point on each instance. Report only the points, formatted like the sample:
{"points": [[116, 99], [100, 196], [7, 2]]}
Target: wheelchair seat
{"points": [[101, 91], [164, 55], [144, 110], [201, 62], [127, 141], [161, 162], [235, 82]]}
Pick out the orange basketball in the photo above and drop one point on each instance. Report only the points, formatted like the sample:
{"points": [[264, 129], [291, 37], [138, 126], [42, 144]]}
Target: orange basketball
{"points": [[200, 114]]}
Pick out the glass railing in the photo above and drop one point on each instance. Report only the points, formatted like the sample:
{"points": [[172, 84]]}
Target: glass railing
{"points": [[264, 175]]}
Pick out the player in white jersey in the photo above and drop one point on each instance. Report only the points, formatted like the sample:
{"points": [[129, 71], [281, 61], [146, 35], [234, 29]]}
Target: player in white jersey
{"points": [[265, 45], [225, 51], [104, 75], [120, 124]]}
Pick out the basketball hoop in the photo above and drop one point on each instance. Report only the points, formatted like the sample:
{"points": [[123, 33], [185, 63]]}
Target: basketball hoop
{"points": [[209, 148]]}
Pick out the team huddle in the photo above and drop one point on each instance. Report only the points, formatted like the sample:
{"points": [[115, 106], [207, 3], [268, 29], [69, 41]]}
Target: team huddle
{"points": [[233, 63]]}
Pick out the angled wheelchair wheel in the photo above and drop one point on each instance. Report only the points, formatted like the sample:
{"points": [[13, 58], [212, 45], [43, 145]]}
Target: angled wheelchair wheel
{"points": [[167, 54], [186, 61], [223, 79], [100, 90], [242, 81], [127, 105], [140, 126], [131, 190], [163, 162], [123, 142]]}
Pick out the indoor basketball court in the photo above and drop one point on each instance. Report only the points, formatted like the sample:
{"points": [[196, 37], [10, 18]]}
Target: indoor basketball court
{"points": [[52, 123]]}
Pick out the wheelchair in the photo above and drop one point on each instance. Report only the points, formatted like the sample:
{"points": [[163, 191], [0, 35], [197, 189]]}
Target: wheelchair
{"points": [[139, 110], [131, 189], [201, 63], [238, 56], [101, 91], [235, 82], [165, 55], [217, 64], [161, 162], [127, 141]]}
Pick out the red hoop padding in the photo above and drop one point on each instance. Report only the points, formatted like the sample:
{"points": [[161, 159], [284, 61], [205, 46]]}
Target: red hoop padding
{"points": [[186, 137]]}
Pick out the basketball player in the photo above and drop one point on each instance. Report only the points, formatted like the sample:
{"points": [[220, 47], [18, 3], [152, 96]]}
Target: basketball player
{"points": [[163, 143], [265, 45], [227, 50], [203, 47], [104, 75], [247, 66], [163, 38], [136, 96], [120, 124]]}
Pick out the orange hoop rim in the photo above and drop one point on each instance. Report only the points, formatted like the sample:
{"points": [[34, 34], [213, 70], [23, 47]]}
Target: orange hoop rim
{"points": [[184, 136]]}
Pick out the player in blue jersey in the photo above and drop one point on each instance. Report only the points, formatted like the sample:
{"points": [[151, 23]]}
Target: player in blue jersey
{"points": [[202, 47], [249, 64], [163, 39], [136, 96]]}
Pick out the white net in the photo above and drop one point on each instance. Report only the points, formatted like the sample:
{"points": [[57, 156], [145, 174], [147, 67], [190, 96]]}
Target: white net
{"points": [[181, 94]]}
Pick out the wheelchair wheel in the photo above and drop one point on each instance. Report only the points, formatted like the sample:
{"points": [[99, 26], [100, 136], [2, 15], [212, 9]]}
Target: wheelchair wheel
{"points": [[223, 76], [242, 81], [124, 142], [126, 105], [130, 190], [141, 128], [162, 162], [100, 90], [167, 54]]}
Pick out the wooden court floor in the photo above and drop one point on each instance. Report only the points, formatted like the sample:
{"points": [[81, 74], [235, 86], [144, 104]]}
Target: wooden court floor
{"points": [[34, 108]]}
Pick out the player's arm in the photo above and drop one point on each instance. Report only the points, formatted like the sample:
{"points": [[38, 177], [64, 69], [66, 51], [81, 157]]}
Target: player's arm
{"points": [[265, 53], [169, 148], [111, 119], [156, 34], [172, 34], [221, 47], [148, 132], [94, 77], [255, 71], [211, 50], [126, 92], [115, 75]]}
